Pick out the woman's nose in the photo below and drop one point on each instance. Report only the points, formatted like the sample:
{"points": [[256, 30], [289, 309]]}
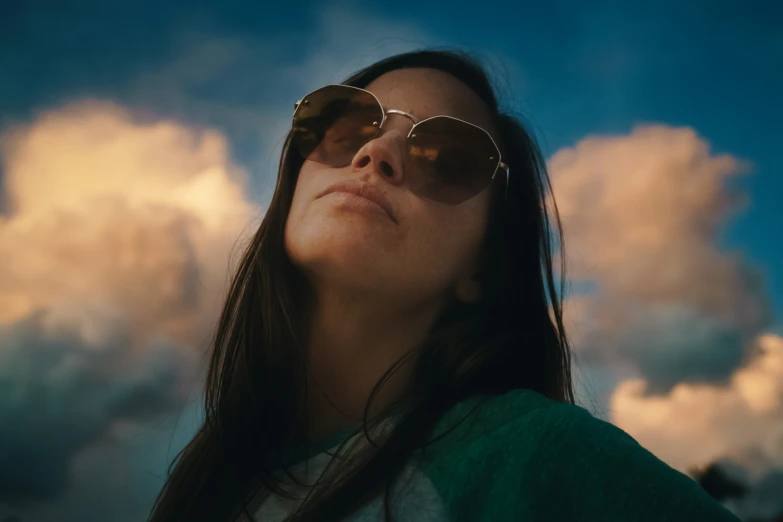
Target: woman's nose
{"points": [[384, 154]]}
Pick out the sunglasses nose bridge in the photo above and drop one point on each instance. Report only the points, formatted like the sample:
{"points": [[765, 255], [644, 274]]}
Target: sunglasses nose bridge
{"points": [[403, 113], [388, 112]]}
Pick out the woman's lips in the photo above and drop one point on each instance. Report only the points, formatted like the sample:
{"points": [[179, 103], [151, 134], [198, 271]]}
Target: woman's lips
{"points": [[363, 190]]}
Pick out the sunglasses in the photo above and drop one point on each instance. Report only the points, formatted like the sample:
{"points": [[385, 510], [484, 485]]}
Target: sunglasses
{"points": [[448, 160]]}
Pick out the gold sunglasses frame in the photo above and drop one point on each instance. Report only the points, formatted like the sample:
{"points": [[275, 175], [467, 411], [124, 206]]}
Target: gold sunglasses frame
{"points": [[416, 122]]}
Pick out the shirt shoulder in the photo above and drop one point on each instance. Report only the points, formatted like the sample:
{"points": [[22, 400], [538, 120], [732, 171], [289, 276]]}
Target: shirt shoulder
{"points": [[523, 456]]}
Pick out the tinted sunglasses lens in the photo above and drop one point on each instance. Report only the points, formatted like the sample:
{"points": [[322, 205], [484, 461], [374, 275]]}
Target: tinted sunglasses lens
{"points": [[332, 123], [453, 160]]}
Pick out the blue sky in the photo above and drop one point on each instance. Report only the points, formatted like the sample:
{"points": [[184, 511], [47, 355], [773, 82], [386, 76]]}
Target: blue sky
{"points": [[572, 69]]}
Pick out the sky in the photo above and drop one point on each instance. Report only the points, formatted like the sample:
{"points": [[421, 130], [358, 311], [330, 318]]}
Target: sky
{"points": [[139, 145]]}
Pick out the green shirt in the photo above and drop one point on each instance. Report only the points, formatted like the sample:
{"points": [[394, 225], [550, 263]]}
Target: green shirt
{"points": [[523, 457]]}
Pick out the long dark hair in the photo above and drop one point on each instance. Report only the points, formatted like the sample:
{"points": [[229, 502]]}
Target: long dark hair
{"points": [[256, 384]]}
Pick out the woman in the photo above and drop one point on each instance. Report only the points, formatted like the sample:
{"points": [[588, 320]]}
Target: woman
{"points": [[387, 336]]}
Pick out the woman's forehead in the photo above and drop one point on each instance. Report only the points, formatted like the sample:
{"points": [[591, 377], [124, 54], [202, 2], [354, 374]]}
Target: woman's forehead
{"points": [[429, 92]]}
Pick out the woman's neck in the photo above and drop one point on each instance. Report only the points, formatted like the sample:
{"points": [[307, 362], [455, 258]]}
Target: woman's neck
{"points": [[353, 342]]}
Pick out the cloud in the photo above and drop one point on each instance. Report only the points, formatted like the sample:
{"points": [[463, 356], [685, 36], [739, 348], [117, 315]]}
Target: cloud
{"points": [[61, 394], [110, 211], [675, 331], [672, 343], [695, 424], [117, 478], [763, 499], [113, 266], [641, 215]]}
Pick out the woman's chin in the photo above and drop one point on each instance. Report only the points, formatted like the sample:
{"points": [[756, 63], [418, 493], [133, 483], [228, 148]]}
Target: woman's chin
{"points": [[350, 233], [352, 255], [351, 249]]}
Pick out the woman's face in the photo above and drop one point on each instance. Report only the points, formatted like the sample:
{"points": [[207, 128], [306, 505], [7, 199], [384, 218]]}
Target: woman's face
{"points": [[427, 248]]}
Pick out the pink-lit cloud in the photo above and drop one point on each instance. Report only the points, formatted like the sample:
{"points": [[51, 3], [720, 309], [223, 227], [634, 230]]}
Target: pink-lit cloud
{"points": [[113, 264], [698, 423], [641, 215], [675, 333]]}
